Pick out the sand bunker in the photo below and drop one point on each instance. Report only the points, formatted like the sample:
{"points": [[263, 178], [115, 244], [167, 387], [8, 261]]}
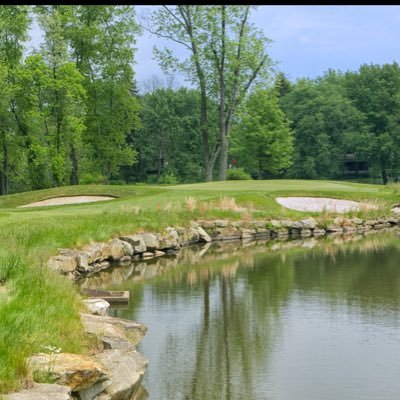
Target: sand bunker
{"points": [[56, 201], [319, 204]]}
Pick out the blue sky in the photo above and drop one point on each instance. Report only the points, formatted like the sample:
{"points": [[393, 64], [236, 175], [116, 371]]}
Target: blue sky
{"points": [[307, 40]]}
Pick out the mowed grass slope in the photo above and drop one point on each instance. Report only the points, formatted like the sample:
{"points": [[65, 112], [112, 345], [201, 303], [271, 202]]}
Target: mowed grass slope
{"points": [[40, 308]]}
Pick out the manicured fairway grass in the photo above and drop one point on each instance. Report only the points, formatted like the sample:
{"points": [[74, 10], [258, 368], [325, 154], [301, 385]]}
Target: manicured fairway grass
{"points": [[40, 308]]}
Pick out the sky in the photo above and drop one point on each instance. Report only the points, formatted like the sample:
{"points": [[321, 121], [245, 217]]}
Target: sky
{"points": [[307, 40]]}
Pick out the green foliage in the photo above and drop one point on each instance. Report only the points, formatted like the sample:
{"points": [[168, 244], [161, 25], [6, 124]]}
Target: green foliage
{"points": [[262, 140], [323, 121], [66, 110], [235, 174], [374, 90], [169, 178], [168, 139], [92, 178], [101, 39], [282, 85]]}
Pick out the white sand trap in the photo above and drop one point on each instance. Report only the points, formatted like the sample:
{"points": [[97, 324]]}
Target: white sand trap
{"points": [[319, 204], [56, 201]]}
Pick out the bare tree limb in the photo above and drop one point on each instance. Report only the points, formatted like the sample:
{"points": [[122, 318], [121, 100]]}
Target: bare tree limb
{"points": [[166, 37]]}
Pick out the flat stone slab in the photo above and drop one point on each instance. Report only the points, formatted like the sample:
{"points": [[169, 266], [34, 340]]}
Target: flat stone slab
{"points": [[114, 327], [319, 204], [42, 391], [56, 201], [110, 296]]}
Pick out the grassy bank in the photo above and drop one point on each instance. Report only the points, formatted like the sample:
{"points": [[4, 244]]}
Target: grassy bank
{"points": [[39, 308]]}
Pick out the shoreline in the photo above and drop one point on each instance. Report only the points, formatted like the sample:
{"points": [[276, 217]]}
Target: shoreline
{"points": [[78, 263]]}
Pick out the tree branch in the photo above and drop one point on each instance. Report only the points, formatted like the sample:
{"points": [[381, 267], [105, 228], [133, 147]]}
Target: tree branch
{"points": [[173, 15], [167, 37], [255, 73]]}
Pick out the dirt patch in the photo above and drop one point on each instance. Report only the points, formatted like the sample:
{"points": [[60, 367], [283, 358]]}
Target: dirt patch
{"points": [[319, 204], [56, 201]]}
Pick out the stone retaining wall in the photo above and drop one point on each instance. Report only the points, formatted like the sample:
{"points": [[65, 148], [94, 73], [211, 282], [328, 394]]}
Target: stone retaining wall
{"points": [[142, 246]]}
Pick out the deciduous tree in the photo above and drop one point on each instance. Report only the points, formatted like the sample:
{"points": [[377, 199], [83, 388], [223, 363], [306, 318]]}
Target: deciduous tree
{"points": [[226, 55]]}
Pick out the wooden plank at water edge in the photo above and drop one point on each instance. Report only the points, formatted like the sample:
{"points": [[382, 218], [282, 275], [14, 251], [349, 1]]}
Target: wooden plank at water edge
{"points": [[108, 295]]}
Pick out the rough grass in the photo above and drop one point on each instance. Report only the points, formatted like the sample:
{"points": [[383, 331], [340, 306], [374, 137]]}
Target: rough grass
{"points": [[41, 309]]}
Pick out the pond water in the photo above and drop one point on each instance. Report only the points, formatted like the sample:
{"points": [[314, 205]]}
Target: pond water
{"points": [[301, 320]]}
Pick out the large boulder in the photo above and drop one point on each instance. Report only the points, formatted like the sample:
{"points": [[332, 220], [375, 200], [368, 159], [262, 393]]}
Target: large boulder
{"points": [[81, 257], [291, 224], [308, 223], [136, 241], [258, 224], [275, 223], [116, 249], [73, 370], [207, 224], [182, 237], [203, 235], [249, 233], [105, 251], [41, 391], [126, 367], [221, 223], [63, 264], [151, 241], [332, 228], [104, 326], [192, 235], [97, 306], [91, 392], [169, 240], [228, 233], [94, 252]]}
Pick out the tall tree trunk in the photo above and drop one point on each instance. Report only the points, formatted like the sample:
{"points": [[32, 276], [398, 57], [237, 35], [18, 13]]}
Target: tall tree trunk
{"points": [[209, 157], [74, 178], [209, 162], [384, 176], [208, 170], [223, 157], [159, 164], [4, 170]]}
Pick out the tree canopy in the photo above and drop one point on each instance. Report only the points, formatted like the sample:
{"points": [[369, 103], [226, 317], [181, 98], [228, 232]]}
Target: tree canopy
{"points": [[71, 111]]}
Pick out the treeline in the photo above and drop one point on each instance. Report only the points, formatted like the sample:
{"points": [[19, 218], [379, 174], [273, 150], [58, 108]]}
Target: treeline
{"points": [[71, 112], [357, 112], [67, 109], [303, 129]]}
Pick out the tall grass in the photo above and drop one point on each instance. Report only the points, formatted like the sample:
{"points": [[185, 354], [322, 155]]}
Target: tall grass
{"points": [[40, 309]]}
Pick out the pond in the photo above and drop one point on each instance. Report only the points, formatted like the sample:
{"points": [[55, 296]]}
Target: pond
{"points": [[304, 320]]}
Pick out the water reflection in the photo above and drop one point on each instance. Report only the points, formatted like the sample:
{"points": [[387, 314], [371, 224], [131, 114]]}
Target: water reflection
{"points": [[269, 320]]}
